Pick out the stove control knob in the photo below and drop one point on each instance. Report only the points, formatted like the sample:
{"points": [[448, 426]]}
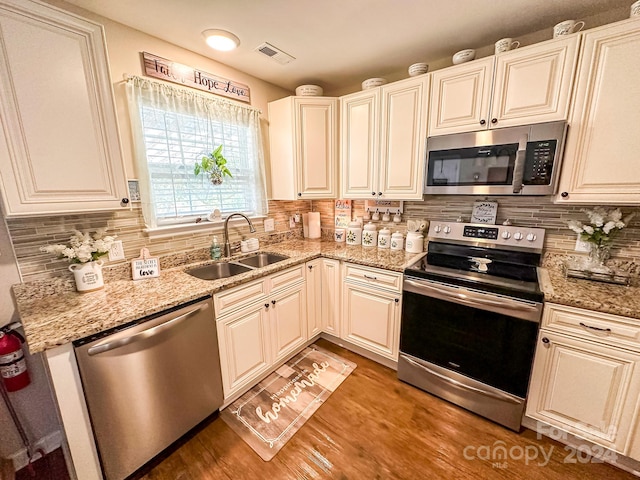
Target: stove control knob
{"points": [[518, 236], [506, 235], [531, 237], [447, 229], [437, 229]]}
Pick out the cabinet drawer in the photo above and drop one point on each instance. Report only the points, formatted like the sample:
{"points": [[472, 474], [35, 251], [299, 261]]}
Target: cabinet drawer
{"points": [[286, 278], [612, 329], [373, 276], [238, 297]]}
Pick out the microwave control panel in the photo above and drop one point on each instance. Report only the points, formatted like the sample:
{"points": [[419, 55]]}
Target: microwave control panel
{"points": [[539, 162]]}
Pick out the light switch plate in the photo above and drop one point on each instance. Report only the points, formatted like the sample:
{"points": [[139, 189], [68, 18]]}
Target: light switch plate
{"points": [[269, 225], [116, 252], [292, 222]]}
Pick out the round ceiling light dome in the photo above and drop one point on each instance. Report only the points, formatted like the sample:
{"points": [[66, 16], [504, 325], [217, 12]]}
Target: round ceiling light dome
{"points": [[221, 39]]}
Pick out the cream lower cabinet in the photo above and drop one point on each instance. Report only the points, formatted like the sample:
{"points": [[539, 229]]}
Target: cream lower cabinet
{"points": [[529, 85], [601, 155], [59, 146], [259, 324], [314, 297], [331, 296], [587, 385], [383, 132], [371, 310]]}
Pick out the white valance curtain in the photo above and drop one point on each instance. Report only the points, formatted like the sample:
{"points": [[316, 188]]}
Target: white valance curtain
{"points": [[174, 127]]}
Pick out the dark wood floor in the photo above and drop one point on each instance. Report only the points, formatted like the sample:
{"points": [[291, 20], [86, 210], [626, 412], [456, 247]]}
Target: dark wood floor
{"points": [[376, 427]]}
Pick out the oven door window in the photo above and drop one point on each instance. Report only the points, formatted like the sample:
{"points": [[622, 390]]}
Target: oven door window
{"points": [[492, 348], [492, 165]]}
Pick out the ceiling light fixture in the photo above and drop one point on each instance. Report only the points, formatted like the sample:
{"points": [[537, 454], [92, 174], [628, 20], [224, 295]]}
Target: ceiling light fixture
{"points": [[221, 40]]}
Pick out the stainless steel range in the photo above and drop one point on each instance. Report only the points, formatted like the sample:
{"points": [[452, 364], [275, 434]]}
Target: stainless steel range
{"points": [[470, 317]]}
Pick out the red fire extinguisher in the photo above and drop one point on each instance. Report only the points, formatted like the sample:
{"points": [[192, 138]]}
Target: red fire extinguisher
{"points": [[13, 368]]}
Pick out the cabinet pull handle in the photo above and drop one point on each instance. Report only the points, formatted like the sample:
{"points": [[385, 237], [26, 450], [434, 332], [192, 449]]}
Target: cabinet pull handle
{"points": [[584, 325], [483, 121], [370, 277]]}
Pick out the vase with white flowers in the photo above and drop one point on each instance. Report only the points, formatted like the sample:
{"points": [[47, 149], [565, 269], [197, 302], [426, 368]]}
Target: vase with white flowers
{"points": [[604, 225], [84, 251]]}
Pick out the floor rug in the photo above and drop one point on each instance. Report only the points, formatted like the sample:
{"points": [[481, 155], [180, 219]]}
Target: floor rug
{"points": [[269, 414]]}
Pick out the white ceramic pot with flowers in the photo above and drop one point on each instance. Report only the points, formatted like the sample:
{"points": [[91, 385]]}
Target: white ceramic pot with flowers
{"points": [[602, 228], [84, 251]]}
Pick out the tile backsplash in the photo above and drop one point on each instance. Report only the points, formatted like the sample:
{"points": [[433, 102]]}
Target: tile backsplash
{"points": [[29, 234]]}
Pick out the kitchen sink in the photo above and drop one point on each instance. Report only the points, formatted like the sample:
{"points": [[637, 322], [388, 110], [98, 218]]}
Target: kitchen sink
{"points": [[262, 259], [218, 270]]}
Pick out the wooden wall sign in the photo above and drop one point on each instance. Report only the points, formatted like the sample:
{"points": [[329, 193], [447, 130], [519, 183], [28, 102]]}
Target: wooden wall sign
{"points": [[164, 69]]}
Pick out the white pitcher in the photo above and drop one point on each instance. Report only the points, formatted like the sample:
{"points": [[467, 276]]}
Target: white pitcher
{"points": [[88, 276]]}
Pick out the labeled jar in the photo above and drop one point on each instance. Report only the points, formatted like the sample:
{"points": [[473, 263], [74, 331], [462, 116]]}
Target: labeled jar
{"points": [[415, 242], [384, 238], [397, 241], [369, 235], [354, 234]]}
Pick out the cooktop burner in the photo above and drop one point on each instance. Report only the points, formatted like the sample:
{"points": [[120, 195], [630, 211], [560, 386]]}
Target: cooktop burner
{"points": [[495, 258]]}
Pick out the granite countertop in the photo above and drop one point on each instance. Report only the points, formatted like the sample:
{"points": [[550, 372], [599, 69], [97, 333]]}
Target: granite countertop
{"points": [[54, 315], [588, 294]]}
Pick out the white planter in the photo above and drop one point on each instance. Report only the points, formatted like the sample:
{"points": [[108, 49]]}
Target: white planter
{"points": [[88, 276]]}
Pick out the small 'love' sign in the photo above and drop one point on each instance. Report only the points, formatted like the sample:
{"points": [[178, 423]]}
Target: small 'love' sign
{"points": [[145, 266]]}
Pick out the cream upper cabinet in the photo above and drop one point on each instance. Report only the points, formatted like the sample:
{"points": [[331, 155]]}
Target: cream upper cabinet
{"points": [[586, 376], [601, 155], [303, 134], [523, 86], [460, 97], [383, 133], [59, 145]]}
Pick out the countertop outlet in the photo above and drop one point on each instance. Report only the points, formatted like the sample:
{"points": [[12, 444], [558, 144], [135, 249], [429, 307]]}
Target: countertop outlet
{"points": [[269, 225]]}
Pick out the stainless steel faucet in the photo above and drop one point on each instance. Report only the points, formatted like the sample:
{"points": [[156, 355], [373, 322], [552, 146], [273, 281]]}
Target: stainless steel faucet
{"points": [[227, 245]]}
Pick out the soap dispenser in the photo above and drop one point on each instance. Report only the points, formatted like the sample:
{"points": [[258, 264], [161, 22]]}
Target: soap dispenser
{"points": [[216, 250]]}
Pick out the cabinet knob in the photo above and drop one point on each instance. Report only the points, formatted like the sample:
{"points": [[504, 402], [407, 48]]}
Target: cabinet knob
{"points": [[273, 302], [266, 305], [310, 267], [483, 121], [299, 194], [545, 340], [564, 194], [494, 120], [397, 300], [379, 194], [124, 201], [373, 193]]}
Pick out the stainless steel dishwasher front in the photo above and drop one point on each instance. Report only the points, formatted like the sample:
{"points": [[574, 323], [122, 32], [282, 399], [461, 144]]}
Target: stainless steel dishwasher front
{"points": [[148, 384]]}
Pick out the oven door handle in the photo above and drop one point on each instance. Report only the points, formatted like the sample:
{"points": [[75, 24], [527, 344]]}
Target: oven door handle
{"points": [[499, 396], [516, 306]]}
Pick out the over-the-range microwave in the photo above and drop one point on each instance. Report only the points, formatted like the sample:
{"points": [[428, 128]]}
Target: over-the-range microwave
{"points": [[505, 161]]}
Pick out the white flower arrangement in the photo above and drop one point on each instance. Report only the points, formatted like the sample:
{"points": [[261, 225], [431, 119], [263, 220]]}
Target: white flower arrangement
{"points": [[603, 227], [83, 247]]}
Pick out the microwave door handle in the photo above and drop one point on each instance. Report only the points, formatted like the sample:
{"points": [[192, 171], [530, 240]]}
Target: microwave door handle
{"points": [[518, 169]]}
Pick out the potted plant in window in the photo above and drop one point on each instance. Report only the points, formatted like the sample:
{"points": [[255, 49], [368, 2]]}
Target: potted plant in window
{"points": [[214, 165]]}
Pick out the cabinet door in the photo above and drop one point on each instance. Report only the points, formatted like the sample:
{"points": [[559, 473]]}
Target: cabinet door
{"points": [[534, 85], [314, 297], [585, 388], [601, 155], [460, 97], [359, 126], [371, 319], [331, 296], [316, 146], [403, 138], [59, 148], [244, 347], [288, 321]]}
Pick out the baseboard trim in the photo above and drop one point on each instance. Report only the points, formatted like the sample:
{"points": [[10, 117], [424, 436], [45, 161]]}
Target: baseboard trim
{"points": [[608, 456], [48, 444]]}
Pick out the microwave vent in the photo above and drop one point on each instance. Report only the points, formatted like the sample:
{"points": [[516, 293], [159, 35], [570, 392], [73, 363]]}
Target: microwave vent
{"points": [[274, 53]]}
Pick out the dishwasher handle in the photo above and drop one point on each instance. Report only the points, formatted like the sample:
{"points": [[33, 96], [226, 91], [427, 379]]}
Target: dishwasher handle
{"points": [[150, 332]]}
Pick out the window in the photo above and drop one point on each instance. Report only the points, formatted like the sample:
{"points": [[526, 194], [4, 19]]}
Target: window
{"points": [[173, 129]]}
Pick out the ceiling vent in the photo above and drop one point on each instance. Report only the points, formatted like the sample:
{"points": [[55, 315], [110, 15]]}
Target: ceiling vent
{"points": [[274, 53]]}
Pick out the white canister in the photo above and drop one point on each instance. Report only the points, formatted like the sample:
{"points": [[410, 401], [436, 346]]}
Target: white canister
{"points": [[384, 238], [88, 276], [354, 234], [339, 235], [415, 242], [397, 241], [369, 235]]}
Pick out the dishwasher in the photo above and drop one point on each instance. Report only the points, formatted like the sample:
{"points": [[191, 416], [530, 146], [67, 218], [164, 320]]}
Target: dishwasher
{"points": [[149, 382]]}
